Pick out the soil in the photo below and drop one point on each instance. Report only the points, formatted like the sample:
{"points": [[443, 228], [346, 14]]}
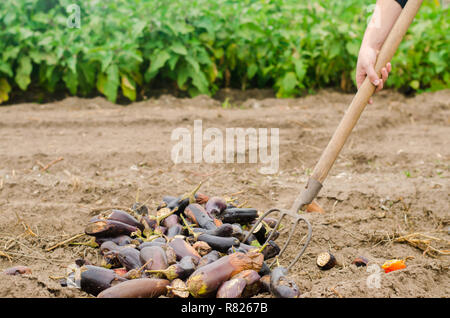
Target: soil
{"points": [[391, 179]]}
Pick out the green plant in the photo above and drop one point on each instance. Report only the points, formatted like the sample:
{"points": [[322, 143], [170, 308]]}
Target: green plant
{"points": [[126, 47]]}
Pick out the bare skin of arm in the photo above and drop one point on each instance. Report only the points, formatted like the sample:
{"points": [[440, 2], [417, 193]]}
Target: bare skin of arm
{"points": [[385, 14]]}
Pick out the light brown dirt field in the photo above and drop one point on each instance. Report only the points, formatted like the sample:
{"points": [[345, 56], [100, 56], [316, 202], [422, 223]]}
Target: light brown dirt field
{"points": [[391, 179]]}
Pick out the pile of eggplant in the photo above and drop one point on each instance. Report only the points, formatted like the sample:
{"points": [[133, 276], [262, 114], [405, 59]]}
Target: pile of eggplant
{"points": [[191, 246]]}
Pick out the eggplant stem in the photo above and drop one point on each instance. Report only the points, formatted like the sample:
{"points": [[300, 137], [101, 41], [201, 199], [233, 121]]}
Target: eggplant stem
{"points": [[191, 195], [189, 228], [263, 247], [162, 217]]}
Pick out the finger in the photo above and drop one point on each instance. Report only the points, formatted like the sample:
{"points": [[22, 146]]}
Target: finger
{"points": [[384, 74], [370, 101], [379, 87], [389, 67], [359, 79], [373, 77]]}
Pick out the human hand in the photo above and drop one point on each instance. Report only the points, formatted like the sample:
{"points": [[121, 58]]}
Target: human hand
{"points": [[365, 67]]}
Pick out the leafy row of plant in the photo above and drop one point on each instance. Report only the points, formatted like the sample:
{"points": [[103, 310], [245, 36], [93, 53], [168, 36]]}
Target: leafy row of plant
{"points": [[198, 46]]}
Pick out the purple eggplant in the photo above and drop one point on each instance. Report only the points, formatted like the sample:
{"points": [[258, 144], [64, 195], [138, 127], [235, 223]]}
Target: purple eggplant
{"points": [[182, 249], [124, 217], [281, 286], [17, 270], [208, 258], [95, 279], [238, 215], [129, 258], [221, 244], [198, 215], [109, 228], [155, 257], [215, 206], [137, 288]]}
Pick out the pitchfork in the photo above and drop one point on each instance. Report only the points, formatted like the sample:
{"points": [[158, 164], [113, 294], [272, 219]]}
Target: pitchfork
{"points": [[341, 134]]}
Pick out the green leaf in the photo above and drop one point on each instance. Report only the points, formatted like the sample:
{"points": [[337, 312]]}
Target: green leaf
{"points": [[201, 83], [5, 88], [300, 69], [289, 82], [6, 68], [128, 88], [111, 83], [157, 62], [183, 73], [193, 63], [71, 80], [179, 48], [23, 73], [251, 71], [415, 84]]}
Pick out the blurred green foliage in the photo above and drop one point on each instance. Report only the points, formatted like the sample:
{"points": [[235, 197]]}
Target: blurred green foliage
{"points": [[198, 46]]}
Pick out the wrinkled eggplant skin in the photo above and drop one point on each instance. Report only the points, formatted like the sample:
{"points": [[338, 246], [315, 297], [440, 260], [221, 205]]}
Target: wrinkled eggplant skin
{"points": [[129, 258], [166, 200], [208, 258], [215, 206], [176, 229], [199, 215], [232, 288], [265, 282], [237, 231], [221, 244], [187, 264], [109, 246], [96, 279], [157, 255], [182, 249], [271, 250], [253, 284], [281, 286], [124, 217], [171, 220], [120, 240], [179, 203], [238, 215], [17, 270], [152, 243], [110, 228], [225, 230], [137, 288]]}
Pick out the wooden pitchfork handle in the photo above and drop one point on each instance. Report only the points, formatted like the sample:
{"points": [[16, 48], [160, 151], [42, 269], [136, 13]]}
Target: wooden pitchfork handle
{"points": [[356, 107]]}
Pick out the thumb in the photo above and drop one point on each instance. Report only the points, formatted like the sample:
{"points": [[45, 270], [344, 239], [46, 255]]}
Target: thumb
{"points": [[372, 75]]}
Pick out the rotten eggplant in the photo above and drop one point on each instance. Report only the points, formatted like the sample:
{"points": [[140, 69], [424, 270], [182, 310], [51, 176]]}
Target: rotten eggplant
{"points": [[205, 281], [281, 286], [137, 288]]}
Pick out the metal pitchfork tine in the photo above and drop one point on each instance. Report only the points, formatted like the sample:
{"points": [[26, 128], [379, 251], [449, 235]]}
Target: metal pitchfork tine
{"points": [[341, 134]]}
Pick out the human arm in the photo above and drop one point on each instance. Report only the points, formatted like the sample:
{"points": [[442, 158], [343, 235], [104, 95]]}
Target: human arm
{"points": [[385, 14]]}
